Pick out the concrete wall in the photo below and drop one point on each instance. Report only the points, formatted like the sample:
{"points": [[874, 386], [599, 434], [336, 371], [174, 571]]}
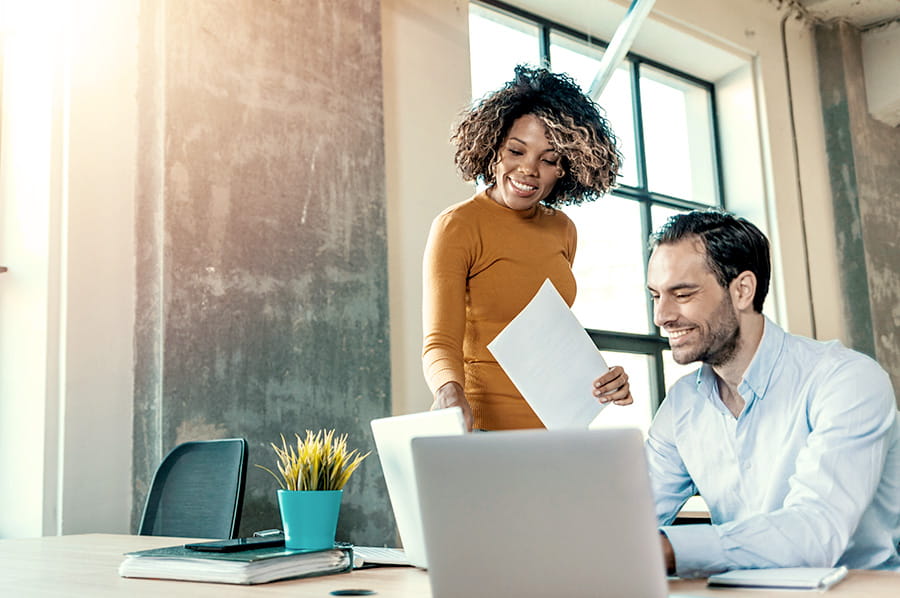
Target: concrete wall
{"points": [[865, 178], [262, 272]]}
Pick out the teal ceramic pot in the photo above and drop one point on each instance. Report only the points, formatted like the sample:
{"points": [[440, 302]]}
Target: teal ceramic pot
{"points": [[309, 517]]}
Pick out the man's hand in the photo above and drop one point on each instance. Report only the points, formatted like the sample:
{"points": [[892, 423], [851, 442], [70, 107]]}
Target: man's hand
{"points": [[451, 395], [668, 554], [613, 387]]}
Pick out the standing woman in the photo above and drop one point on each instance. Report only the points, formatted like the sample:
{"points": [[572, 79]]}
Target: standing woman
{"points": [[537, 143]]}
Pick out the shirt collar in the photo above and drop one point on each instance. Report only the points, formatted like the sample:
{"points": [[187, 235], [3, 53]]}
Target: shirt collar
{"points": [[706, 384], [762, 367]]}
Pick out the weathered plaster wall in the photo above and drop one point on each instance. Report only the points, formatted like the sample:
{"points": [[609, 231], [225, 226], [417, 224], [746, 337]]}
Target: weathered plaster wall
{"points": [[262, 261], [865, 178]]}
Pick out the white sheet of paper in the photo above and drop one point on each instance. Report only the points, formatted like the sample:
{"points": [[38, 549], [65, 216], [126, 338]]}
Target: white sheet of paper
{"points": [[551, 359]]}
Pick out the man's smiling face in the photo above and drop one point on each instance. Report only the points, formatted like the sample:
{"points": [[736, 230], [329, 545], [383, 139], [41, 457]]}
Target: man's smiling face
{"points": [[691, 305]]}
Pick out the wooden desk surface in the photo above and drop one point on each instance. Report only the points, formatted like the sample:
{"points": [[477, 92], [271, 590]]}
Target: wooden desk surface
{"points": [[694, 508], [87, 565]]}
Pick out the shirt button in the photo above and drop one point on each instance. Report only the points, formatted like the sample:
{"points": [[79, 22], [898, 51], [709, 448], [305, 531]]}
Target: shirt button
{"points": [[747, 465]]}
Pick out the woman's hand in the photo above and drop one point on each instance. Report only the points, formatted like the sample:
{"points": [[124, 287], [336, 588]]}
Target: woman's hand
{"points": [[451, 395], [613, 387]]}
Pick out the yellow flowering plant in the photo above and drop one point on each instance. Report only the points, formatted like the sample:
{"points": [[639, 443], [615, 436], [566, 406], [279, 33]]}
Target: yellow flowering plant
{"points": [[320, 461]]}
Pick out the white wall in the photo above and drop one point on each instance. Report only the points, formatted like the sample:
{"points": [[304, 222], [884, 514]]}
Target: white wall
{"points": [[96, 385], [69, 151], [27, 199], [736, 44], [426, 85], [881, 59]]}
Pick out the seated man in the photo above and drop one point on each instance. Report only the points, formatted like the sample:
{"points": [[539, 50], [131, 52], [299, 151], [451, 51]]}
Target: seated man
{"points": [[793, 443]]}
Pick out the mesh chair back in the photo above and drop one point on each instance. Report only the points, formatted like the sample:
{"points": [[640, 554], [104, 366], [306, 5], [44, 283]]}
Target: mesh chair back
{"points": [[198, 491]]}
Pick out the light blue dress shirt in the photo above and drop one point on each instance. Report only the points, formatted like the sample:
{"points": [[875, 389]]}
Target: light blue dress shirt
{"points": [[807, 476]]}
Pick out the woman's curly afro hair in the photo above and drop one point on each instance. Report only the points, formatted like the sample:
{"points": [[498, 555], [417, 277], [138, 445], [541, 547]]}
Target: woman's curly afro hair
{"points": [[575, 128]]}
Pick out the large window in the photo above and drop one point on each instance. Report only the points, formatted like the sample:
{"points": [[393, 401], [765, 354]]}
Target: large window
{"points": [[665, 123]]}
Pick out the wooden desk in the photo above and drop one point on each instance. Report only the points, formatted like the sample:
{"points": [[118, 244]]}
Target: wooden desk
{"points": [[693, 511], [87, 565]]}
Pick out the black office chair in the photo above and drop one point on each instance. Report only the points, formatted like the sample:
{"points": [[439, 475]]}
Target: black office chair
{"points": [[198, 491]]}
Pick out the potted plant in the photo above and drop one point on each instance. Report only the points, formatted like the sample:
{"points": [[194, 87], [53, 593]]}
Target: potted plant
{"points": [[312, 477]]}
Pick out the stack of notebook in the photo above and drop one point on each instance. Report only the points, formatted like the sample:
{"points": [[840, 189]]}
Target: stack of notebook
{"points": [[260, 565]]}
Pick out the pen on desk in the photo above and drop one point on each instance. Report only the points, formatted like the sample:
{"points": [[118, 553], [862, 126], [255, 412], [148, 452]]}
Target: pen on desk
{"points": [[832, 578], [265, 533]]}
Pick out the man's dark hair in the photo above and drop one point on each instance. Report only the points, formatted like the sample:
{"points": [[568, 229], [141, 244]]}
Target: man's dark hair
{"points": [[733, 245]]}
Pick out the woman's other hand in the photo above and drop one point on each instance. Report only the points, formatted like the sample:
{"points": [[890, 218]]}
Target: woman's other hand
{"points": [[613, 387], [451, 395]]}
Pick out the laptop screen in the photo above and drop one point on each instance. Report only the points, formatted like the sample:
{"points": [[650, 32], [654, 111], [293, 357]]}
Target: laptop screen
{"points": [[392, 441], [539, 513]]}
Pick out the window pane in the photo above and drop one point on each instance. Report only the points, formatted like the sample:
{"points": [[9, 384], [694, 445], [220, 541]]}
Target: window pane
{"points": [[677, 118], [638, 414], [580, 61], [497, 43], [609, 265]]}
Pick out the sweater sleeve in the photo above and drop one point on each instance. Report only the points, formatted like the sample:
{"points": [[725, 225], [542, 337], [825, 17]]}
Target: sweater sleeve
{"points": [[445, 269]]}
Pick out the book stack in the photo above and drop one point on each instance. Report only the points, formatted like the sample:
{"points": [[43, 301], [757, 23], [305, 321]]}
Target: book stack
{"points": [[260, 565]]}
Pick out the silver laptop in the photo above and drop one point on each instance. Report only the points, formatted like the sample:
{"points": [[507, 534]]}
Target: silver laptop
{"points": [[539, 513], [392, 441]]}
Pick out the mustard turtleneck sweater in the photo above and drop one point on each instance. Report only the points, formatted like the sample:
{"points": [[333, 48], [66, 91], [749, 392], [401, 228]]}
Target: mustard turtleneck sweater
{"points": [[483, 263]]}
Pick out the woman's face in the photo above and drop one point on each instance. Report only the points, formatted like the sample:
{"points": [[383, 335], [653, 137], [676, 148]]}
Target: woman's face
{"points": [[528, 166]]}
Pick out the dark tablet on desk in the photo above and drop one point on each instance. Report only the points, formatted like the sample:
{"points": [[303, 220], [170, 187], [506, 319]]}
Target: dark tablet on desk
{"points": [[237, 544]]}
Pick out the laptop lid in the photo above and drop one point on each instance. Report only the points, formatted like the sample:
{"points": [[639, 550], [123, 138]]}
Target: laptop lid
{"points": [[539, 513], [392, 442]]}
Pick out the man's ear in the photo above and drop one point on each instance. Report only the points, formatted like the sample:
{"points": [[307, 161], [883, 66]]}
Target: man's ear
{"points": [[743, 289]]}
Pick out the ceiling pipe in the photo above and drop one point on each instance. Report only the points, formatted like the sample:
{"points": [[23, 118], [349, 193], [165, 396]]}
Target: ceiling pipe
{"points": [[620, 44]]}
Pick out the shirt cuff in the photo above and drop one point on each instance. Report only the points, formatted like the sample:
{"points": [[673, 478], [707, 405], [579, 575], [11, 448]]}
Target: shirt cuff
{"points": [[698, 550]]}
